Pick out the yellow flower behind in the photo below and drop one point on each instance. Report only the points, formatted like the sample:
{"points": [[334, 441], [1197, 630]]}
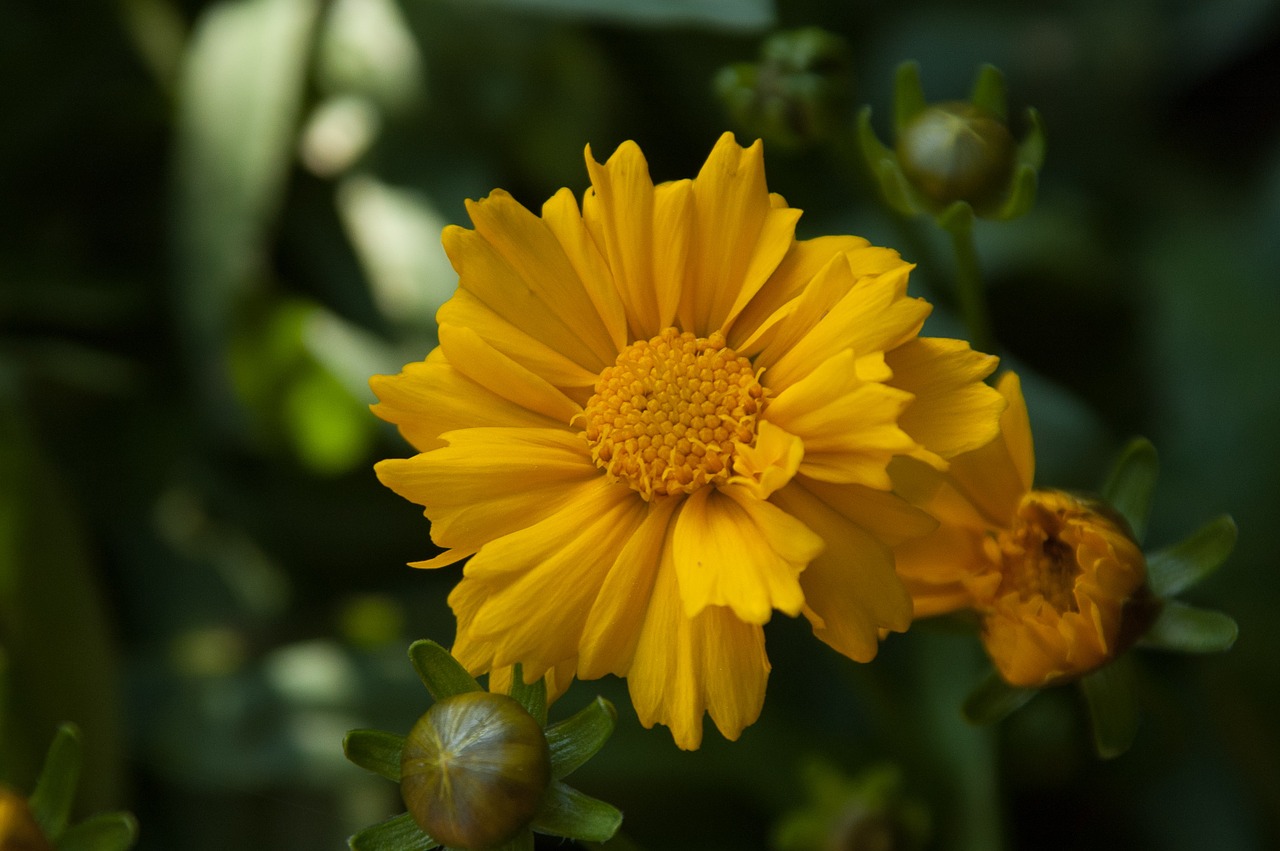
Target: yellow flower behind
{"points": [[656, 419], [1059, 582], [18, 828]]}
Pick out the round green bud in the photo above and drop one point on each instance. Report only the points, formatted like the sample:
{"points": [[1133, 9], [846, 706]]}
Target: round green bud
{"points": [[474, 770], [956, 151]]}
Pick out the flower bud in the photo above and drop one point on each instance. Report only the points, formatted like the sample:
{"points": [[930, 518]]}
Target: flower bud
{"points": [[957, 151], [474, 769], [797, 94]]}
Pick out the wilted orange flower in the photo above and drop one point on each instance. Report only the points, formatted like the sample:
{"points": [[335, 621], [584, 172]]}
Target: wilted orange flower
{"points": [[1059, 581], [653, 421]]}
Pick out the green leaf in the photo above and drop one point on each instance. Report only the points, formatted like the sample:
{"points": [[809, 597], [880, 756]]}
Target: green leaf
{"points": [[908, 96], [400, 833], [1132, 483], [993, 699], [575, 740], [376, 751], [105, 832], [569, 813], [440, 672], [1113, 706], [1187, 629], [729, 14], [532, 696], [56, 788], [989, 92], [1192, 559]]}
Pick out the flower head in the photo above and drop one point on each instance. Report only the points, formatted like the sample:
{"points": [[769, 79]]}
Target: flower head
{"points": [[656, 419]]}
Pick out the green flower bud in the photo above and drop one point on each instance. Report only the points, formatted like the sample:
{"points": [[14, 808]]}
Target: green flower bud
{"points": [[797, 94], [474, 770], [956, 151]]}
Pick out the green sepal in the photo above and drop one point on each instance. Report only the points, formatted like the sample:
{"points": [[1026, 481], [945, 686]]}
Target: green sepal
{"points": [[440, 673], [883, 164], [1132, 483], [56, 787], [1192, 559], [567, 812], [376, 751], [908, 96], [993, 699], [1031, 148], [1112, 697], [104, 832], [989, 92], [1022, 195], [1187, 629], [532, 696], [399, 833], [575, 740], [957, 218]]}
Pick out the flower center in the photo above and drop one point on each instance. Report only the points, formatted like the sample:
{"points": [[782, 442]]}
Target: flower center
{"points": [[1040, 550], [665, 418]]}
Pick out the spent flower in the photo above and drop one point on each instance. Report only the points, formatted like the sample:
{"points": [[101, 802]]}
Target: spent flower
{"points": [[1059, 581], [654, 420]]}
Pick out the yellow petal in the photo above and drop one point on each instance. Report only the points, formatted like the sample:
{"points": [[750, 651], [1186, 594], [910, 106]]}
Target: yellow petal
{"points": [[871, 316], [673, 233], [561, 214], [489, 482], [851, 587], [466, 311], [543, 580], [887, 516], [731, 549], [531, 249], [431, 397], [731, 205], [849, 427], [618, 211], [485, 365], [804, 259], [953, 410], [613, 627], [1015, 429], [683, 666], [490, 278], [446, 558], [770, 462]]}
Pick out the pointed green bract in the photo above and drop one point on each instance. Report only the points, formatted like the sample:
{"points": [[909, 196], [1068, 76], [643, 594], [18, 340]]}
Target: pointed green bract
{"points": [[989, 93], [440, 673], [400, 833], [1187, 562], [908, 96], [1188, 629], [56, 787], [569, 813], [1023, 195], [993, 699], [376, 751], [106, 832], [1031, 148], [1132, 483], [575, 740], [1113, 707], [532, 696]]}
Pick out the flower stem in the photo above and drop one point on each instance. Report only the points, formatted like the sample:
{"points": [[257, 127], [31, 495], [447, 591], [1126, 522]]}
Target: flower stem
{"points": [[957, 221]]}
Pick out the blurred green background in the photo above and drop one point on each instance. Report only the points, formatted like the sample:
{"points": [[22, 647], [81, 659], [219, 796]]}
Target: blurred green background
{"points": [[219, 218]]}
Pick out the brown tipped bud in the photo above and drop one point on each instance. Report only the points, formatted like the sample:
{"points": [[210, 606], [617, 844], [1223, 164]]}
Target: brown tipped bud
{"points": [[474, 770]]}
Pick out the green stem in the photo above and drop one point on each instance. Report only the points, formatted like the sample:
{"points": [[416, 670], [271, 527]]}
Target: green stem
{"points": [[970, 293]]}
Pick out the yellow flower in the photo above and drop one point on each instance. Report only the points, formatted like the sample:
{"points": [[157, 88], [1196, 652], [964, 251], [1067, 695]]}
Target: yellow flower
{"points": [[653, 421], [1059, 581]]}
